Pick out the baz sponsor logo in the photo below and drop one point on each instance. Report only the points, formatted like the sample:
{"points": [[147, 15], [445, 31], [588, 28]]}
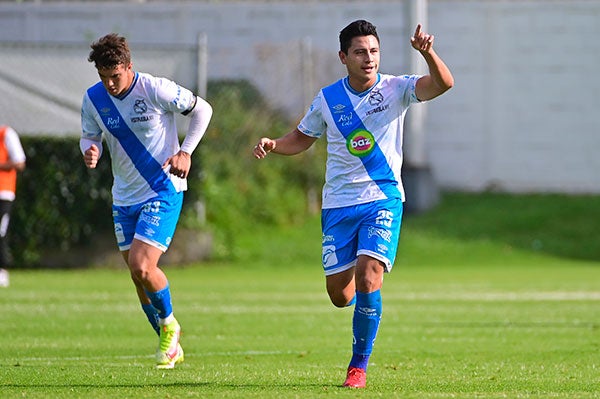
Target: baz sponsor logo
{"points": [[360, 142]]}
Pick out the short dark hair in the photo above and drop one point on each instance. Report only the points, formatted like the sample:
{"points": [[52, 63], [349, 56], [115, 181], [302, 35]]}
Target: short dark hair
{"points": [[354, 29], [109, 51]]}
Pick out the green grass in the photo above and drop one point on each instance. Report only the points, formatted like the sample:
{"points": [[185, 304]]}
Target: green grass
{"points": [[467, 314]]}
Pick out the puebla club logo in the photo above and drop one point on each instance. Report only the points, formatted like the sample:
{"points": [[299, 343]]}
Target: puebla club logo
{"points": [[360, 142]]}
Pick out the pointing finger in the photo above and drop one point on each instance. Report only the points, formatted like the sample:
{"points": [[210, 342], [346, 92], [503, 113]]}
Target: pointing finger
{"points": [[417, 31]]}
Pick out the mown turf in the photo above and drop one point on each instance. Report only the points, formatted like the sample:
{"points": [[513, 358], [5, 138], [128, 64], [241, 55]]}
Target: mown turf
{"points": [[464, 317]]}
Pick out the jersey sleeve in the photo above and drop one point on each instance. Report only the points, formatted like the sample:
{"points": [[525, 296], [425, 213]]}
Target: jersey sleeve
{"points": [[173, 97], [89, 126], [313, 124], [407, 84], [13, 146]]}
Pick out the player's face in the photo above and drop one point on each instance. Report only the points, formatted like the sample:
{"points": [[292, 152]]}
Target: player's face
{"points": [[362, 62], [116, 80]]}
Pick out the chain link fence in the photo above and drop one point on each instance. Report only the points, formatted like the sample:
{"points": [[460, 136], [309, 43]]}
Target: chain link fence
{"points": [[43, 86]]}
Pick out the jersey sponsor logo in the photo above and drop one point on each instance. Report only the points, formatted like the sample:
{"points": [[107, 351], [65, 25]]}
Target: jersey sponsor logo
{"points": [[338, 109], [385, 234], [370, 312], [328, 238], [360, 142], [113, 122], [378, 109], [345, 119], [148, 232], [329, 256], [382, 249]]}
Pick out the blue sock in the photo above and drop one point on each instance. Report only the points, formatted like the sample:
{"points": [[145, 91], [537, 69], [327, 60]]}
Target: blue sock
{"points": [[161, 300], [352, 301], [152, 316], [365, 323]]}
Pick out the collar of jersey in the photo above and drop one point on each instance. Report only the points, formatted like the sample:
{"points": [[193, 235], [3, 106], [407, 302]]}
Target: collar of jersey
{"points": [[135, 79], [361, 93]]}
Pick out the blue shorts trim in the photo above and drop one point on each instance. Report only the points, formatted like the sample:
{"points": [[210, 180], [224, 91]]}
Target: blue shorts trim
{"points": [[153, 221], [371, 229]]}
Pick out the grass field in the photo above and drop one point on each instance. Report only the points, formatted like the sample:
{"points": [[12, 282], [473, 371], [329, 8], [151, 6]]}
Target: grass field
{"points": [[465, 316]]}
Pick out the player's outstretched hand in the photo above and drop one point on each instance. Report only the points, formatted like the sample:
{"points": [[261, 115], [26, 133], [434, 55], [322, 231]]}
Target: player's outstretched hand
{"points": [[91, 156], [421, 41], [264, 146]]}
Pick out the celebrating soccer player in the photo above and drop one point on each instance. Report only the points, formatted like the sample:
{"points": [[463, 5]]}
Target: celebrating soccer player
{"points": [[362, 117]]}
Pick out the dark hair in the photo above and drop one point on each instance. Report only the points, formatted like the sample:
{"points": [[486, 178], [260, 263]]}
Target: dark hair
{"points": [[110, 51], [356, 28]]}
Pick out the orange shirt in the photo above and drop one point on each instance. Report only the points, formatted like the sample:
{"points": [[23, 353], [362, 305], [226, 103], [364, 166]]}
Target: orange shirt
{"points": [[8, 178]]}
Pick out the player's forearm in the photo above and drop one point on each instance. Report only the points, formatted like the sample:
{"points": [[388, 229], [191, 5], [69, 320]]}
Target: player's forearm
{"points": [[19, 166], [200, 117], [292, 143], [440, 75]]}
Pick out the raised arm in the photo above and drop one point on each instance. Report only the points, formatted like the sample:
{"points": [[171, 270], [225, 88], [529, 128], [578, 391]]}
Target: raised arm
{"points": [[440, 78], [292, 143]]}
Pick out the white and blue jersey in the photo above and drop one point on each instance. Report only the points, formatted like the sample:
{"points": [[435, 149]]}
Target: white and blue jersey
{"points": [[364, 138], [140, 131]]}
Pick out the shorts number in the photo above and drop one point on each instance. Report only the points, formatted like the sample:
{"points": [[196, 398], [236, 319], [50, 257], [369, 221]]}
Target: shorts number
{"points": [[384, 218], [151, 207]]}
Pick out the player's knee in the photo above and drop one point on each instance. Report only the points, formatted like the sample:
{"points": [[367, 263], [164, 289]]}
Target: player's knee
{"points": [[340, 300], [140, 271]]}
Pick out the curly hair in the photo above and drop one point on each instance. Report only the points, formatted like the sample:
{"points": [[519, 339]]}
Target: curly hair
{"points": [[109, 51], [355, 29]]}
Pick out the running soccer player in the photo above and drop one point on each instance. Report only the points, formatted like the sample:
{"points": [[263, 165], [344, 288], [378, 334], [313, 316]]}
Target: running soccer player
{"points": [[362, 117], [135, 113]]}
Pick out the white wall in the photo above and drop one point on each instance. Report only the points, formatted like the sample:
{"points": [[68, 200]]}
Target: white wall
{"points": [[521, 117]]}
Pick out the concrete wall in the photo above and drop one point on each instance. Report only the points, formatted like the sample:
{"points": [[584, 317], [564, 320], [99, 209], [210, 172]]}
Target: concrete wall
{"points": [[522, 116]]}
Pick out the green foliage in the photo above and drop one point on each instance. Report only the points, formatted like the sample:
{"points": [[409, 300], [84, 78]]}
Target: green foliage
{"points": [[60, 203], [240, 191]]}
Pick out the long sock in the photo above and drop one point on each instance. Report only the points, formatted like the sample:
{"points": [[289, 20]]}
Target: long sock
{"points": [[152, 316], [365, 323], [161, 300]]}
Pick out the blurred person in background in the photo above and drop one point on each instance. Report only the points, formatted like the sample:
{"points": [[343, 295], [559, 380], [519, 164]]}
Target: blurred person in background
{"points": [[135, 114], [362, 116], [12, 160]]}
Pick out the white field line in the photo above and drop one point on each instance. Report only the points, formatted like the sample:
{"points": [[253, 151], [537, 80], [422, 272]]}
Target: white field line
{"points": [[531, 296], [51, 359]]}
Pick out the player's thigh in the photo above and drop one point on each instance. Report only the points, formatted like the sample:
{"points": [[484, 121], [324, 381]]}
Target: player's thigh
{"points": [[158, 219], [380, 231], [340, 233]]}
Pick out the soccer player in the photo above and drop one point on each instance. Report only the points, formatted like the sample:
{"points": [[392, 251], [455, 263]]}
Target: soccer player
{"points": [[135, 113], [362, 117], [12, 160]]}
